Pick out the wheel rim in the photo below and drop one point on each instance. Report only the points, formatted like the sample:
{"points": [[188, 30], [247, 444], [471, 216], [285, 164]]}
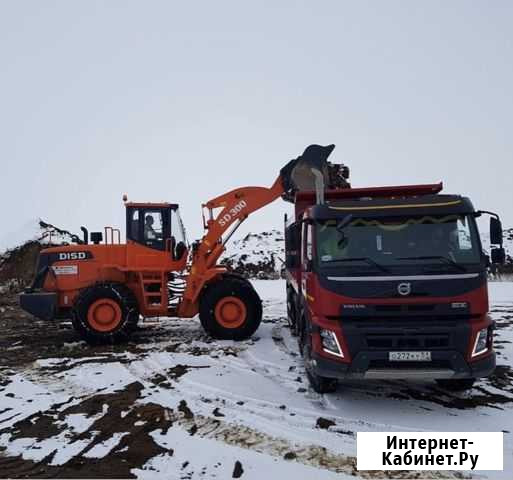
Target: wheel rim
{"points": [[104, 315], [230, 312]]}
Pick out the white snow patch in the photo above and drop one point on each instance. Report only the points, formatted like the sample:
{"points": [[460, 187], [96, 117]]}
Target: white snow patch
{"points": [[102, 449]]}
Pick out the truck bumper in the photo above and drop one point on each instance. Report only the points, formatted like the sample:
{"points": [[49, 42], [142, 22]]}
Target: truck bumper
{"points": [[42, 305], [375, 365]]}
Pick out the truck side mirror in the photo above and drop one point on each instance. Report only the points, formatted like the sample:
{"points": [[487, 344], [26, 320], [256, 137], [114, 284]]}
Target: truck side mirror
{"points": [[495, 231], [498, 256]]}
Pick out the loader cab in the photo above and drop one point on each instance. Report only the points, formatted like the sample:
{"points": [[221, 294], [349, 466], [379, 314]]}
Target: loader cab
{"points": [[157, 226]]}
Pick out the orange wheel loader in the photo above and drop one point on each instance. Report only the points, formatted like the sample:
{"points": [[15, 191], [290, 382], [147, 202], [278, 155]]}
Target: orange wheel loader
{"points": [[105, 285]]}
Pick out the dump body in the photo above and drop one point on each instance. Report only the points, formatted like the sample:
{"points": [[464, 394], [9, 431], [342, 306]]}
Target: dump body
{"points": [[390, 283]]}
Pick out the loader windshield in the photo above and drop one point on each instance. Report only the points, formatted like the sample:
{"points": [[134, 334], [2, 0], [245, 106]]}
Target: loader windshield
{"points": [[177, 228], [450, 240]]}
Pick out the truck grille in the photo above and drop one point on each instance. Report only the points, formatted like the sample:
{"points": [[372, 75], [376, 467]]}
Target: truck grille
{"points": [[407, 341], [416, 312], [405, 308], [406, 333]]}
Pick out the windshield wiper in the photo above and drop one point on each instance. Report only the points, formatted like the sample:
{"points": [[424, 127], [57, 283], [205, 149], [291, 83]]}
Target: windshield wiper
{"points": [[370, 261], [446, 260], [341, 225]]}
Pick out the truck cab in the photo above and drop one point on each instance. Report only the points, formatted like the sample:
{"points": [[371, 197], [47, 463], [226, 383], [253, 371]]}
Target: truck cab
{"points": [[390, 283]]}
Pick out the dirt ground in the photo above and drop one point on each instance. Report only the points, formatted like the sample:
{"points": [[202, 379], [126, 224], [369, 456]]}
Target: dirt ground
{"points": [[52, 356]]}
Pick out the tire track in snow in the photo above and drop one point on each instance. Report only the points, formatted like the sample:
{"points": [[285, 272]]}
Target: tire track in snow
{"points": [[312, 455]]}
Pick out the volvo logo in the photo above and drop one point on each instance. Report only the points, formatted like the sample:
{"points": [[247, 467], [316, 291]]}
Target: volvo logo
{"points": [[404, 288]]}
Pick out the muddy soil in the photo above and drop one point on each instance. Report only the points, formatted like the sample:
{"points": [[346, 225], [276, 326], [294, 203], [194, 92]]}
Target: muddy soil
{"points": [[85, 420]]}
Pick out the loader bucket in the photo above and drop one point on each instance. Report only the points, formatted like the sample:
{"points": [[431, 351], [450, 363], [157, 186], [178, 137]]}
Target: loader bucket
{"points": [[308, 172]]}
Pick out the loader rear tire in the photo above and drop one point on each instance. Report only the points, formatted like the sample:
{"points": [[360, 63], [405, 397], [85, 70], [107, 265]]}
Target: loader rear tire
{"points": [[105, 313], [230, 309]]}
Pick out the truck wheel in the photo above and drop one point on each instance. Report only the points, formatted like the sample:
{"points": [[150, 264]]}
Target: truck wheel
{"points": [[230, 309], [300, 327], [318, 383], [291, 314], [456, 384], [105, 313]]}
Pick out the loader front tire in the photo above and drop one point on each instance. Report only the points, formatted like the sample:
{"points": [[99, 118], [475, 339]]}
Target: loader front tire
{"points": [[105, 313], [230, 309]]}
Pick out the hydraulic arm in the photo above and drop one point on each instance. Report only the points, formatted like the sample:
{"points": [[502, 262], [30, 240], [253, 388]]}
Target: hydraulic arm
{"points": [[302, 173]]}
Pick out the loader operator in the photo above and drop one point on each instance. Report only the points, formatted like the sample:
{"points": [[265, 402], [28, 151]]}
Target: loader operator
{"points": [[149, 231]]}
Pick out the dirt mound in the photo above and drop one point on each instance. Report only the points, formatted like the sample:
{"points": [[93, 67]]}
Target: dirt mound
{"points": [[257, 255], [17, 266]]}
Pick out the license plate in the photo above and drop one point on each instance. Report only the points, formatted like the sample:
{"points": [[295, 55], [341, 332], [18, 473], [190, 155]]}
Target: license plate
{"points": [[409, 356]]}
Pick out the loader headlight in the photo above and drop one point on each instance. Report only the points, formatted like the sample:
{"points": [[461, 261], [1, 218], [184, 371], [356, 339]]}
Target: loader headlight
{"points": [[481, 343], [330, 343]]}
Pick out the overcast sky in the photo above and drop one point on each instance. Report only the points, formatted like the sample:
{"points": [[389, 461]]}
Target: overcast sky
{"points": [[182, 101]]}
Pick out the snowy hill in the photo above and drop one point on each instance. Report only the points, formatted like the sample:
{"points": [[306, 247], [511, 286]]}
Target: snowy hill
{"points": [[257, 255]]}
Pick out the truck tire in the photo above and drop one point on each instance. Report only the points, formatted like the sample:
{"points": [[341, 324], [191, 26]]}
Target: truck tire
{"points": [[292, 313], [456, 384], [230, 309], [105, 313], [318, 383]]}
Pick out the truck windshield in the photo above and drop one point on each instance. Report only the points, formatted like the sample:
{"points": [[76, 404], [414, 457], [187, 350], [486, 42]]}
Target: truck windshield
{"points": [[449, 240]]}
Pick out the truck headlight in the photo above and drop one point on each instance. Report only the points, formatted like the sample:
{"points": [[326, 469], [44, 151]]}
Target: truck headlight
{"points": [[330, 343], [481, 343]]}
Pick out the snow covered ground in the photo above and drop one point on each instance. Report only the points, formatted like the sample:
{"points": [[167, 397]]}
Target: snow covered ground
{"points": [[176, 404]]}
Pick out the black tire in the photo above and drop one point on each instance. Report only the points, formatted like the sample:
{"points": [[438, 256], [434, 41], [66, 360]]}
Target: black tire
{"points": [[318, 383], [243, 291], [292, 314], [300, 328], [115, 292], [456, 384]]}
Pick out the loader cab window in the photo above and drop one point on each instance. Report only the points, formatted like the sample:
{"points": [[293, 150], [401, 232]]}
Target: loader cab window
{"points": [[133, 225], [149, 227], [154, 229], [153, 226], [179, 240]]}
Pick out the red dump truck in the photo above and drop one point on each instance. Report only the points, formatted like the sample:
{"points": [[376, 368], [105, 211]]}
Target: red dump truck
{"points": [[389, 283]]}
